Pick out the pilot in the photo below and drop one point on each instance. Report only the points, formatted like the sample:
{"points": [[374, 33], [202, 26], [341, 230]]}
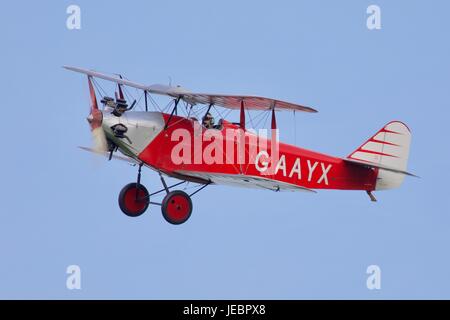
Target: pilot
{"points": [[208, 121]]}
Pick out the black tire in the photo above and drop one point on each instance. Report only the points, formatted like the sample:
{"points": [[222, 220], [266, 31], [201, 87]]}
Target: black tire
{"points": [[127, 202], [176, 207]]}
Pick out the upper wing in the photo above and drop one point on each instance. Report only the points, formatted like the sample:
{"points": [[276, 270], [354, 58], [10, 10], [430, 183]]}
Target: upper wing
{"points": [[250, 102], [156, 88], [222, 100]]}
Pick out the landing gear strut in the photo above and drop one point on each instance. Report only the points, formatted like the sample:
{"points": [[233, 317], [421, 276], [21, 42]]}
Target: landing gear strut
{"points": [[176, 207]]}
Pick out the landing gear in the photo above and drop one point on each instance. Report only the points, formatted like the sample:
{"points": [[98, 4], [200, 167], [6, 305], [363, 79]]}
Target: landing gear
{"points": [[134, 199], [176, 207]]}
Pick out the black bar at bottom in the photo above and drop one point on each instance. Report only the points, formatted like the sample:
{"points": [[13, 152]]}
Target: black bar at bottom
{"points": [[235, 309]]}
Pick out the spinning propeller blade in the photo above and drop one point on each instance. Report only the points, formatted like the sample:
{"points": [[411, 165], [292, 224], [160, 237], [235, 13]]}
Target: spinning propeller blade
{"points": [[95, 119]]}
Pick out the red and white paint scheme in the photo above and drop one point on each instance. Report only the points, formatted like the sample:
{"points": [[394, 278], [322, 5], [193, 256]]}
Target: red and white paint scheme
{"points": [[181, 147]]}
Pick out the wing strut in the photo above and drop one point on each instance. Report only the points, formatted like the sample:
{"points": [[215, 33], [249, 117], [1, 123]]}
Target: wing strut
{"points": [[274, 120], [145, 97], [242, 119], [209, 108], [174, 110], [120, 94]]}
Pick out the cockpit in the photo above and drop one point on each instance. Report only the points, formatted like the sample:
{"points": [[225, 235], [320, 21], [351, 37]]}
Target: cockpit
{"points": [[209, 123]]}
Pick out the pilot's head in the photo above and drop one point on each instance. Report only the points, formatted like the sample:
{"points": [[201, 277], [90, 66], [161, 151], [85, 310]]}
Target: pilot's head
{"points": [[208, 120]]}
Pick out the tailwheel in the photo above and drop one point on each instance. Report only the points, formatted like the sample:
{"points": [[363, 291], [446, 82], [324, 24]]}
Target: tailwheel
{"points": [[134, 199], [176, 207]]}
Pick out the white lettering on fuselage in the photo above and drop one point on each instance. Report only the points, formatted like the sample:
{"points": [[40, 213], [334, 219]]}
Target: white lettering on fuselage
{"points": [[311, 169], [324, 176], [282, 167]]}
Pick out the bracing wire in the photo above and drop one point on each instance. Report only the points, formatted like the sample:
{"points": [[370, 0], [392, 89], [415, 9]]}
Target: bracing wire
{"points": [[250, 119], [220, 114], [153, 102], [187, 110], [99, 87], [265, 119]]}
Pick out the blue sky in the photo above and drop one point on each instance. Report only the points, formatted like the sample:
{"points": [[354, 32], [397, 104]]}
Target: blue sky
{"points": [[59, 206]]}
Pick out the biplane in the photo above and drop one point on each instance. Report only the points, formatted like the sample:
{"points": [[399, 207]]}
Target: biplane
{"points": [[204, 153]]}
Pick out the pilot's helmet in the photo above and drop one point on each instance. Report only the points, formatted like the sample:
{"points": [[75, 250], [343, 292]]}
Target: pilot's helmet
{"points": [[208, 119]]}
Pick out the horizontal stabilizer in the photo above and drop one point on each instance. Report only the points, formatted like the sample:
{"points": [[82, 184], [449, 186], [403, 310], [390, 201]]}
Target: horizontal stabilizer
{"points": [[379, 166]]}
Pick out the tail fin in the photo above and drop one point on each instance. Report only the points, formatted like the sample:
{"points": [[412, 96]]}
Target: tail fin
{"points": [[388, 148]]}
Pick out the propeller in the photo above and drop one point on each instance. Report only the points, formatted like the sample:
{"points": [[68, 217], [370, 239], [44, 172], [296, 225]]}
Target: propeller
{"points": [[95, 119]]}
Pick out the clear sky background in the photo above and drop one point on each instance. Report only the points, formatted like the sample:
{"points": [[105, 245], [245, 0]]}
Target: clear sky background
{"points": [[59, 206]]}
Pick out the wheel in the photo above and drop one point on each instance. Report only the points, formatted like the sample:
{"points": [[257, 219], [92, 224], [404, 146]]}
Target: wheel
{"points": [[176, 207], [127, 199]]}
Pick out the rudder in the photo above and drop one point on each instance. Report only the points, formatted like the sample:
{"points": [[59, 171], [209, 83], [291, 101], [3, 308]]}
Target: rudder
{"points": [[389, 147]]}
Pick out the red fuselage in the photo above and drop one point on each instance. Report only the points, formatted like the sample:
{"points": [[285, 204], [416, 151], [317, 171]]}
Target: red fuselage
{"points": [[295, 166]]}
